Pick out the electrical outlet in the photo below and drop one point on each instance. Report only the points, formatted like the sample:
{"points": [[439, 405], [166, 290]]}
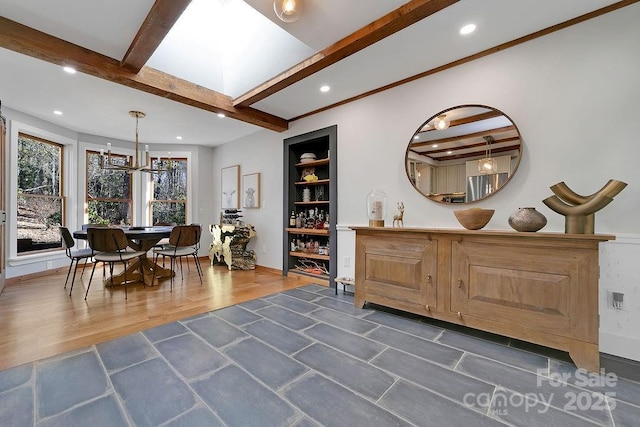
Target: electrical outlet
{"points": [[49, 265], [264, 249], [617, 299], [347, 261]]}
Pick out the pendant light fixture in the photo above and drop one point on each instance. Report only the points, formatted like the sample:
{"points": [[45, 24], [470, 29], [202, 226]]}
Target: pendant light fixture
{"points": [[487, 164], [441, 122], [288, 10], [134, 163]]}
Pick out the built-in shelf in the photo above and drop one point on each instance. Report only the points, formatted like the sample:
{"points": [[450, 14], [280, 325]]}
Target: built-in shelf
{"points": [[319, 162], [318, 143], [316, 231], [309, 255], [318, 182], [319, 202]]}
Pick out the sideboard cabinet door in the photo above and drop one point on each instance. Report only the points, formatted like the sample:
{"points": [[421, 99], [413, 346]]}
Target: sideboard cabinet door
{"points": [[400, 269], [546, 288]]}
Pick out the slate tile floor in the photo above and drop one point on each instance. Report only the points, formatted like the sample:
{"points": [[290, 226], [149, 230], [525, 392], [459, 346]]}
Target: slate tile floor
{"points": [[306, 357]]}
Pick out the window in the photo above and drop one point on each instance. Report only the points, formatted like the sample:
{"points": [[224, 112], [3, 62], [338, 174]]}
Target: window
{"points": [[169, 200], [108, 192], [40, 201]]}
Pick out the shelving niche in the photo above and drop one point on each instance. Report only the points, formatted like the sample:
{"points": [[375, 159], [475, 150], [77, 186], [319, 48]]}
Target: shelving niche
{"points": [[311, 246]]}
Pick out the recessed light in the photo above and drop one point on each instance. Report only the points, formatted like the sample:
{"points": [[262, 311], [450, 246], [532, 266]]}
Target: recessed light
{"points": [[325, 88], [434, 146], [449, 152], [468, 29], [69, 70], [416, 137], [57, 112], [221, 115], [178, 137]]}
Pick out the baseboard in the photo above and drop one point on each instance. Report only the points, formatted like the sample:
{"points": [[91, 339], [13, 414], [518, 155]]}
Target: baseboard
{"points": [[618, 345], [17, 279], [269, 269]]}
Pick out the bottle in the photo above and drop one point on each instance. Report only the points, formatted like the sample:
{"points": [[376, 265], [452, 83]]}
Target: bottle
{"points": [[299, 221], [292, 219]]}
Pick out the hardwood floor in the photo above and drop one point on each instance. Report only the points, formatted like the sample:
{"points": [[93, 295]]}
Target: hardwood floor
{"points": [[39, 319]]}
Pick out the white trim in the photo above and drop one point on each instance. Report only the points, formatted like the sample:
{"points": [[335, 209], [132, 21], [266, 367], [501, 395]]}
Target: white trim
{"points": [[618, 345], [68, 153], [146, 193], [625, 239]]}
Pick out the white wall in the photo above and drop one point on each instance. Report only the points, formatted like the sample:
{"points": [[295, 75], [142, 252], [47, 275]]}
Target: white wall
{"points": [[257, 154], [574, 97]]}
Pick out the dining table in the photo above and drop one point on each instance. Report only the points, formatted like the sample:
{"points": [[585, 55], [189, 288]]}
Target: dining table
{"points": [[143, 269]]}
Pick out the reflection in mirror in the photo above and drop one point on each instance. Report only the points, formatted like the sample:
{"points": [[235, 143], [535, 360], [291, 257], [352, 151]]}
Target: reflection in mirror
{"points": [[463, 154]]}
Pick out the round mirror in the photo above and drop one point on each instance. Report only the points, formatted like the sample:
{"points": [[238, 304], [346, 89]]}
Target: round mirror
{"points": [[463, 154]]}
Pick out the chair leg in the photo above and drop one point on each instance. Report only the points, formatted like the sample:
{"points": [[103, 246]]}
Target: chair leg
{"points": [[198, 267], [73, 280], [155, 261], [125, 279], [68, 272], [89, 285], [173, 264], [83, 266]]}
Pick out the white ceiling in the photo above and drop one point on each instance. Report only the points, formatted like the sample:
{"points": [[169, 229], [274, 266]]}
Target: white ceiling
{"points": [[232, 46]]}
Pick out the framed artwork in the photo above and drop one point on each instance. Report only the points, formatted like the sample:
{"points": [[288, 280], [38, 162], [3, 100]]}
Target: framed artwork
{"points": [[230, 190], [251, 190]]}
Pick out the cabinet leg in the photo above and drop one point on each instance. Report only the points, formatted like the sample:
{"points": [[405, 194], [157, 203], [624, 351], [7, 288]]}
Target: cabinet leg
{"points": [[358, 302], [585, 355]]}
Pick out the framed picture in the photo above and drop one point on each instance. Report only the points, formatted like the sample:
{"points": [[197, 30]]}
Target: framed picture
{"points": [[230, 190], [251, 190]]}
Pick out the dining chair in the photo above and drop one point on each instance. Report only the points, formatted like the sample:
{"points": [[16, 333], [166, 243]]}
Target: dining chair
{"points": [[110, 245], [73, 255], [184, 241]]}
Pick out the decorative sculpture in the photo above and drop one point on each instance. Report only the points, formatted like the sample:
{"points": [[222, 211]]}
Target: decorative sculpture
{"points": [[579, 211], [397, 219]]}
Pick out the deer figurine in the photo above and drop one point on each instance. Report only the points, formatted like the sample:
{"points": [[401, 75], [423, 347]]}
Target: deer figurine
{"points": [[398, 218]]}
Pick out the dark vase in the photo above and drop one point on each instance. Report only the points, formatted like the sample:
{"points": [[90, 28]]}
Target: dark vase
{"points": [[527, 219]]}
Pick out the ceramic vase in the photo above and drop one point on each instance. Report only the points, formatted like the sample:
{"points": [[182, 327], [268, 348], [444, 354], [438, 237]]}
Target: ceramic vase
{"points": [[527, 219], [306, 195]]}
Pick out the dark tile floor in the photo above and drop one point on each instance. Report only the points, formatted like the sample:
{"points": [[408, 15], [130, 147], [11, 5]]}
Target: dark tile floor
{"points": [[307, 357]]}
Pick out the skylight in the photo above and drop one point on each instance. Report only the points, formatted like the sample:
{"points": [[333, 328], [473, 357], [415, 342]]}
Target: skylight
{"points": [[227, 46]]}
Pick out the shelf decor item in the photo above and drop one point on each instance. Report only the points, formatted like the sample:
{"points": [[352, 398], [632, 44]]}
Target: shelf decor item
{"points": [[579, 211], [474, 218], [307, 158], [376, 208], [306, 195], [527, 219]]}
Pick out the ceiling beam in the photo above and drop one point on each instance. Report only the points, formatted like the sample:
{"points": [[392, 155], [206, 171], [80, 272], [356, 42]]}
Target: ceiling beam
{"points": [[478, 134], [22, 39], [399, 19], [161, 17]]}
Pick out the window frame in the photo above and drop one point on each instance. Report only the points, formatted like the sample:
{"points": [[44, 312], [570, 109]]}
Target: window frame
{"points": [[61, 186], [88, 199], [185, 201]]}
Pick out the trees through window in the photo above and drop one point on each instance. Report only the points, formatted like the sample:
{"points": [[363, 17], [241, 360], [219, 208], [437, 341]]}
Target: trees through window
{"points": [[40, 197], [169, 200], [109, 197]]}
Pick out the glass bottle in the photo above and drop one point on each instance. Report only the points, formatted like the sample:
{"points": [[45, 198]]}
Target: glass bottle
{"points": [[292, 219]]}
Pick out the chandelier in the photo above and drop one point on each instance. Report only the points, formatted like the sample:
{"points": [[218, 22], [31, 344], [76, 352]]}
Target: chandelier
{"points": [[133, 164], [488, 163]]}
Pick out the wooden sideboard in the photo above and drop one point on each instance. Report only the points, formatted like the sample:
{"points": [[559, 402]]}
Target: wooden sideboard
{"points": [[536, 287]]}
